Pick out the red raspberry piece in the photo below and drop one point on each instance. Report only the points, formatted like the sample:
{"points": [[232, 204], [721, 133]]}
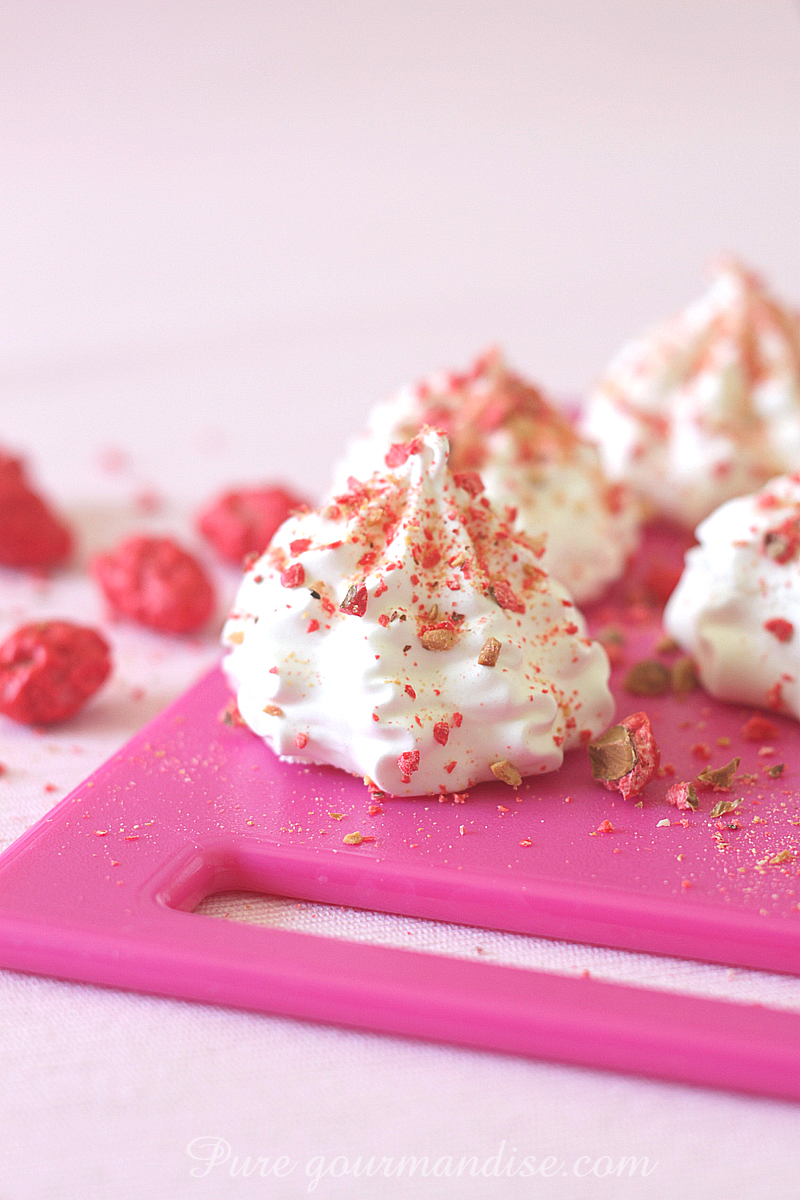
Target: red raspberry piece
{"points": [[468, 481], [355, 602], [408, 762], [648, 757], [506, 597], [242, 522], [156, 582], [783, 542], [293, 576], [780, 628], [760, 729], [441, 732], [495, 412], [31, 535], [683, 795], [616, 495], [49, 670], [396, 455], [401, 451]]}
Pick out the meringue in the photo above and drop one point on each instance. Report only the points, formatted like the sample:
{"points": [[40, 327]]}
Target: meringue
{"points": [[405, 634], [706, 406], [531, 460], [736, 608]]}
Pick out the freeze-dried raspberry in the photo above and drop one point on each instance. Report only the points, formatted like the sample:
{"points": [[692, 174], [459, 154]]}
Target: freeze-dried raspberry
{"points": [[154, 581], [293, 576], [783, 542], [355, 601], [401, 451], [242, 522], [408, 762], [626, 757], [506, 597], [469, 481], [760, 729], [683, 795], [780, 628], [49, 670], [31, 535]]}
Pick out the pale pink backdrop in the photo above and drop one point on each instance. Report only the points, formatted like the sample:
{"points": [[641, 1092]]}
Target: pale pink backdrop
{"points": [[240, 224]]}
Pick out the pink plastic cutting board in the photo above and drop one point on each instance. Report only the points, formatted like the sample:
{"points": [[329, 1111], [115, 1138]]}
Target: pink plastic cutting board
{"points": [[103, 888]]}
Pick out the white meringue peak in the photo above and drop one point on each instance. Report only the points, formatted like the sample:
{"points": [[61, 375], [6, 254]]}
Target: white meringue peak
{"points": [[538, 472], [706, 406], [404, 633], [736, 608]]}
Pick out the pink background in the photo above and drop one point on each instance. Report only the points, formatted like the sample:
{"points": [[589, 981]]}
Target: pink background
{"points": [[227, 229], [238, 225]]}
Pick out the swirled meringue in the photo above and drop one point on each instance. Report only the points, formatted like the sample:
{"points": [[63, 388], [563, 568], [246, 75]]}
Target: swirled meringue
{"points": [[737, 605], [536, 469], [405, 634], [706, 406]]}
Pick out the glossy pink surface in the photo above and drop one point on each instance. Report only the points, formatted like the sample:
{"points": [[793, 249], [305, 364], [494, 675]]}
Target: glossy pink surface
{"points": [[102, 889]]}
